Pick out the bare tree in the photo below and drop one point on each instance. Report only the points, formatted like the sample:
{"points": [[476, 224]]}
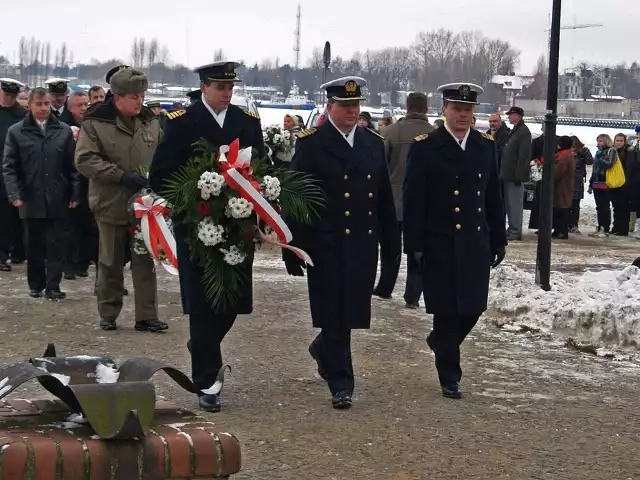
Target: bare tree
{"points": [[218, 55], [47, 59], [63, 55], [163, 55], [136, 55], [142, 48], [23, 54], [152, 54]]}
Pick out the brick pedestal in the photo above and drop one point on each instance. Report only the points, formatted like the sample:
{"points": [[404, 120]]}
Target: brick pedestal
{"points": [[40, 441]]}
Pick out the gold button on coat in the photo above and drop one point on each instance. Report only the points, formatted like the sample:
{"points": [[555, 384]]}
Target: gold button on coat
{"points": [[347, 213], [370, 232], [457, 210], [456, 192], [370, 195], [368, 177], [478, 192], [346, 177], [479, 210], [479, 228], [370, 213], [347, 231], [479, 175], [458, 227], [346, 195]]}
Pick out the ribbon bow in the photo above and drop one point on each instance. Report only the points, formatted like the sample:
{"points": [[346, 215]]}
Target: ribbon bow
{"points": [[155, 231], [235, 165]]}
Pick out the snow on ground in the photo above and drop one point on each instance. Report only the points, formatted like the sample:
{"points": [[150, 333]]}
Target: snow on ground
{"points": [[597, 307]]}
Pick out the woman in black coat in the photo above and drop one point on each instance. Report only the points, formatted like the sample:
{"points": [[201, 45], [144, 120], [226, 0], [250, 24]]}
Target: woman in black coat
{"points": [[583, 158]]}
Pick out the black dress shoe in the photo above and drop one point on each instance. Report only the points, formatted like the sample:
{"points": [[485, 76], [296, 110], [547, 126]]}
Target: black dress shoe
{"points": [[153, 325], [84, 274], [382, 295], [313, 351], [69, 276], [451, 390], [108, 324], [209, 403], [430, 343], [412, 306], [35, 293], [341, 400], [55, 295], [5, 267]]}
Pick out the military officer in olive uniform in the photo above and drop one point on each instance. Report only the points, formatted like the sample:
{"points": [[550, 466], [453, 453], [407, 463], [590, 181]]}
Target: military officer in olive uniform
{"points": [[454, 225], [215, 119], [343, 242], [11, 231]]}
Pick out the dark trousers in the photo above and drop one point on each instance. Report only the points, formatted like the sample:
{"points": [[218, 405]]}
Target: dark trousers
{"points": [[45, 251], [207, 333], [449, 331], [83, 241], [334, 355], [389, 275], [621, 211], [574, 216], [561, 220], [603, 208], [6, 229], [17, 236]]}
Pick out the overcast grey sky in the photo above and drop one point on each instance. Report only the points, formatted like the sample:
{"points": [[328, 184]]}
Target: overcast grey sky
{"points": [[253, 29]]}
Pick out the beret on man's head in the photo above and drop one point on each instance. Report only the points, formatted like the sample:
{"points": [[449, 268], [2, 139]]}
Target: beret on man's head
{"points": [[128, 80]]}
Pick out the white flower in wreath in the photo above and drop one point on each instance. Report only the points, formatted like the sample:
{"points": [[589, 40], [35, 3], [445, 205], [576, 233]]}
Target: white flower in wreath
{"points": [[210, 184], [238, 208], [209, 233], [286, 134], [277, 138], [265, 136], [233, 256], [270, 187]]}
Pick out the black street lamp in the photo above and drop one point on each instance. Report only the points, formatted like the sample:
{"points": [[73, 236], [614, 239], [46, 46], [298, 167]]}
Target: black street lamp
{"points": [[326, 57], [543, 260]]}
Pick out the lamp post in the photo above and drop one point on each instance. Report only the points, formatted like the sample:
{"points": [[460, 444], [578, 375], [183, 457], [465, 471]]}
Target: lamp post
{"points": [[543, 260], [326, 57]]}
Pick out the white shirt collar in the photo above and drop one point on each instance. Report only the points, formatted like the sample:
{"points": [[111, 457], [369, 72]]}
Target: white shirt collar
{"points": [[218, 117], [463, 143], [349, 137]]}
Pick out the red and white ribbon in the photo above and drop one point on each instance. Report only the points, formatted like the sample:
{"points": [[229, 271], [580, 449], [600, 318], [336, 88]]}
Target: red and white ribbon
{"points": [[155, 231], [235, 165]]}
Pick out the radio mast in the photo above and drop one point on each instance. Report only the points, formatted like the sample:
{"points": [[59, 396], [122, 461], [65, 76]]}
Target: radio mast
{"points": [[296, 44]]}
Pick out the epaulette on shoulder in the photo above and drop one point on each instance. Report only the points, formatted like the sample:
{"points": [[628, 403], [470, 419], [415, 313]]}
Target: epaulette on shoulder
{"points": [[420, 138], [306, 133], [487, 136], [175, 114], [374, 132], [252, 114]]}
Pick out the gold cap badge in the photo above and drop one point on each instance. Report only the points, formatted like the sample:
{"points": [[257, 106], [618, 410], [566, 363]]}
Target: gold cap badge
{"points": [[351, 87]]}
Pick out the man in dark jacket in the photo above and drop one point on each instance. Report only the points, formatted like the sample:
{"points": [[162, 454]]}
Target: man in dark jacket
{"points": [[514, 171], [454, 226], [11, 231], [42, 180], [500, 133], [218, 121], [343, 242], [398, 139]]}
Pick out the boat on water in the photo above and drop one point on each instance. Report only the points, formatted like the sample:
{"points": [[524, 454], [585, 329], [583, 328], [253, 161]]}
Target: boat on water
{"points": [[294, 101]]}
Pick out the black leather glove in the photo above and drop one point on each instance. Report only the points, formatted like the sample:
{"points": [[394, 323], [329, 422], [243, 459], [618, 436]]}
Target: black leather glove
{"points": [[498, 257], [134, 180], [293, 263]]}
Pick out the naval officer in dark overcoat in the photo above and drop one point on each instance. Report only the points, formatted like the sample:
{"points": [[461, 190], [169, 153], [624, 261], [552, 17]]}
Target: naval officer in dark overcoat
{"points": [[215, 119], [454, 225], [343, 242]]}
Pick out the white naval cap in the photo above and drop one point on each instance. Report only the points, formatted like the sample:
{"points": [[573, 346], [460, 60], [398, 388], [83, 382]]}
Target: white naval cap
{"points": [[10, 85]]}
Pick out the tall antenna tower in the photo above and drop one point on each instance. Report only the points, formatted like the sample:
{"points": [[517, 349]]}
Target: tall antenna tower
{"points": [[296, 44]]}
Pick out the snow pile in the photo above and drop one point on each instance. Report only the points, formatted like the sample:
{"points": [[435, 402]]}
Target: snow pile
{"points": [[106, 373], [4, 386], [599, 306]]}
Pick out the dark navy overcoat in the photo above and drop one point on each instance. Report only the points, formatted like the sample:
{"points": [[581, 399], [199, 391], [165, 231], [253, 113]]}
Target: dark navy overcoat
{"points": [[453, 214], [359, 216]]}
